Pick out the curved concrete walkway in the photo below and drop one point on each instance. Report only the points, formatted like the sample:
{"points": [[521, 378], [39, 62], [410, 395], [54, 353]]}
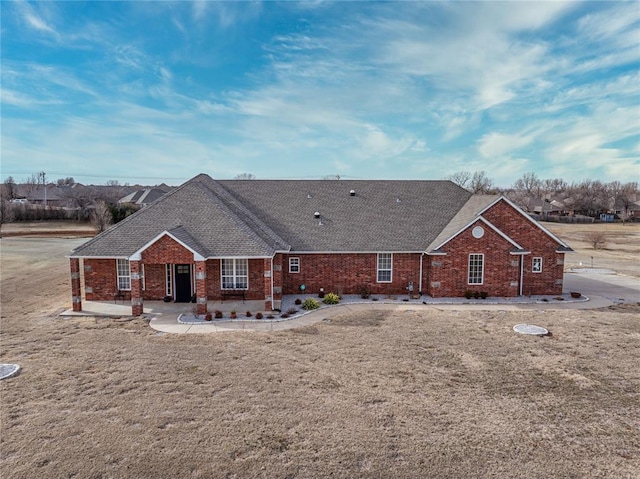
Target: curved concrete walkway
{"points": [[170, 324]]}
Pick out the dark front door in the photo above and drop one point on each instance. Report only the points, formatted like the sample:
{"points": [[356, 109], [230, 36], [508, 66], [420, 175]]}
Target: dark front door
{"points": [[183, 283]]}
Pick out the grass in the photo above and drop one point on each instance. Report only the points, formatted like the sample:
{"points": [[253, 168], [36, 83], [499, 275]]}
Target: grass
{"points": [[403, 394]]}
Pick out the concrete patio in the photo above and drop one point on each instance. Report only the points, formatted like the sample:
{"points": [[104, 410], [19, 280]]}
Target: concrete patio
{"points": [[160, 308]]}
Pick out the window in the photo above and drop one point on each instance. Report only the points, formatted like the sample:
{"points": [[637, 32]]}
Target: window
{"points": [[476, 268], [385, 265], [536, 266], [235, 274], [294, 265], [168, 282], [124, 275]]}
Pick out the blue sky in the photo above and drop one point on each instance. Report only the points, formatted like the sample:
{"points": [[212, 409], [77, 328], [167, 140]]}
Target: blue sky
{"points": [[146, 92]]}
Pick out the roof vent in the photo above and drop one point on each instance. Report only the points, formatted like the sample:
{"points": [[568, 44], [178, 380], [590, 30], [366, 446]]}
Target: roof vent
{"points": [[352, 192], [317, 214], [398, 200], [309, 196]]}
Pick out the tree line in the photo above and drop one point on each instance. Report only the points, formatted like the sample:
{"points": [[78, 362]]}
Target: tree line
{"points": [[587, 197]]}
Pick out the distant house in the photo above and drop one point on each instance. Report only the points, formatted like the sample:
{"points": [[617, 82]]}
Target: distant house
{"points": [[261, 240], [144, 196]]}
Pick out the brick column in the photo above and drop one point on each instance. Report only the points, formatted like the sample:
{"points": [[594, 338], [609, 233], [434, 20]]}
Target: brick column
{"points": [[137, 306], [201, 287], [76, 291], [268, 278], [276, 277]]}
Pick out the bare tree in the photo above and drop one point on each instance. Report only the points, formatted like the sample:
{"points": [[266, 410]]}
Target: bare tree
{"points": [[597, 239], [460, 178], [6, 211], [9, 188], [101, 217], [42, 178], [481, 184], [68, 181], [245, 176]]}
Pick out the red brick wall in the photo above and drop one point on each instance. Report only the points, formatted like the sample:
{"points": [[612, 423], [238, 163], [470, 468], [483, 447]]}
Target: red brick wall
{"points": [[345, 273], [501, 269], [531, 237], [101, 280], [154, 281], [167, 250]]}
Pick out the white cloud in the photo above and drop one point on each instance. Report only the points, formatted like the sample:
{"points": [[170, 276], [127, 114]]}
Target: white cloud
{"points": [[494, 144]]}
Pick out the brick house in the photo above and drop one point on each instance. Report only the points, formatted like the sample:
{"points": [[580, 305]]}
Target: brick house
{"points": [[259, 240]]}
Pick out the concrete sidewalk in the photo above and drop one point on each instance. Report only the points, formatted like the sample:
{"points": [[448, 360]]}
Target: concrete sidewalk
{"points": [[170, 324]]}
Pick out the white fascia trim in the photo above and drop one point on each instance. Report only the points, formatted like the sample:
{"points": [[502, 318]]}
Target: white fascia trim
{"points": [[238, 257], [353, 252], [523, 213], [436, 253], [486, 222], [137, 256], [96, 257]]}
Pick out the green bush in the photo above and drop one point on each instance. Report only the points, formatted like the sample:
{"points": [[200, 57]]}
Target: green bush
{"points": [[310, 304], [331, 298]]}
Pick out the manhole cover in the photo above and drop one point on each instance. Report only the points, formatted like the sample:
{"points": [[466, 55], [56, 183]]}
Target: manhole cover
{"points": [[8, 370], [530, 329]]}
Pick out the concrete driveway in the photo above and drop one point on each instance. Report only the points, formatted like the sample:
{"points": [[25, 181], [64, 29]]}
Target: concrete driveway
{"points": [[605, 283]]}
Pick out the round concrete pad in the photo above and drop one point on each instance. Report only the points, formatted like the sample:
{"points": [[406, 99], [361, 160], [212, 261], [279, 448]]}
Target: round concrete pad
{"points": [[530, 329], [8, 370]]}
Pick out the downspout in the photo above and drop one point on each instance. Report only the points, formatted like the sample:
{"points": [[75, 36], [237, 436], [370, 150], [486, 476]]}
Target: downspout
{"points": [[420, 282], [521, 274], [272, 278]]}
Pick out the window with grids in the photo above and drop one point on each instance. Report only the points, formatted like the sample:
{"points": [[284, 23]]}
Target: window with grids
{"points": [[476, 268], [124, 275], [294, 265], [168, 282], [385, 266], [235, 273], [536, 266]]}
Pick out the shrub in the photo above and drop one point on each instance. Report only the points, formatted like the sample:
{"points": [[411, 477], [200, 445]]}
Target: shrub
{"points": [[331, 298], [468, 293], [292, 311], [217, 314], [249, 314], [298, 301], [476, 294], [270, 316], [310, 304], [284, 315], [484, 294], [364, 291], [258, 315]]}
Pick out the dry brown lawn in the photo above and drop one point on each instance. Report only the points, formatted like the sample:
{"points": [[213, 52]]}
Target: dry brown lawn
{"points": [[407, 394]]}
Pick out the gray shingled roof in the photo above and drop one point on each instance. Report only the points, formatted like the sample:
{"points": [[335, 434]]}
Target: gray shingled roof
{"points": [[259, 217], [469, 211]]}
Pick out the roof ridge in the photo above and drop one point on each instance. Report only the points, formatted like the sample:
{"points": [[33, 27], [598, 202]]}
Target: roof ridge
{"points": [[231, 202], [133, 216]]}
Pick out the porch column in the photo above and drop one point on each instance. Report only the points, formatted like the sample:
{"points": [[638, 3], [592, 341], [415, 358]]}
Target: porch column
{"points": [[201, 287], [268, 283], [137, 306], [76, 292]]}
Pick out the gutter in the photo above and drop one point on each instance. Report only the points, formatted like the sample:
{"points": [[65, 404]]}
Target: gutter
{"points": [[420, 282]]}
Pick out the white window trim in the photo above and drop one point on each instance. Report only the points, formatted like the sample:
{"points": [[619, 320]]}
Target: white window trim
{"points": [[120, 261], [378, 270], [168, 281], [294, 262], [144, 282], [533, 264], [234, 275], [481, 255]]}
